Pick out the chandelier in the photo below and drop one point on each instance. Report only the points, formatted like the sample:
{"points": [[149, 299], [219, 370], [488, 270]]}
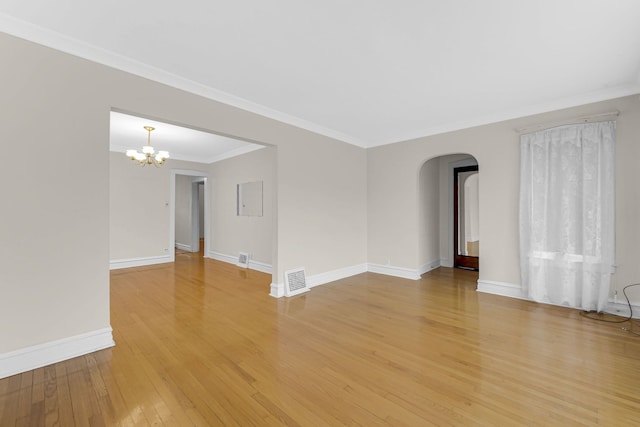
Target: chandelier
{"points": [[146, 157]]}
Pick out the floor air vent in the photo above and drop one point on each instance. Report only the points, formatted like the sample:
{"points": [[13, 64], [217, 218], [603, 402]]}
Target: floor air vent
{"points": [[243, 260], [295, 282]]}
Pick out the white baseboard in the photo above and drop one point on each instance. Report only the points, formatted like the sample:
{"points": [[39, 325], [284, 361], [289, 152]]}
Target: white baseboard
{"points": [[515, 291], [26, 359], [183, 247], [390, 270], [139, 262], [501, 288], [260, 266], [427, 267], [277, 289], [333, 275], [253, 265], [622, 309], [223, 257]]}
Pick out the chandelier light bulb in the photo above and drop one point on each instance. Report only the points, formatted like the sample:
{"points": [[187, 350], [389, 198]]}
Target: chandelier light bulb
{"points": [[146, 156], [162, 156]]}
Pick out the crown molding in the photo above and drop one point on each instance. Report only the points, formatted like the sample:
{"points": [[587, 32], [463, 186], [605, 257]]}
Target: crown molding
{"points": [[234, 153], [519, 112], [72, 46], [55, 40]]}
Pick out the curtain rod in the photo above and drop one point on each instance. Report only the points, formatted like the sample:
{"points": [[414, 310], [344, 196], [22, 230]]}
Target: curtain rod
{"points": [[576, 120]]}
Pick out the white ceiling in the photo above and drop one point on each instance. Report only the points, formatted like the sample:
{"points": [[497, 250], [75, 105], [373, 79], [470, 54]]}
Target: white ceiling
{"points": [[127, 132], [368, 72]]}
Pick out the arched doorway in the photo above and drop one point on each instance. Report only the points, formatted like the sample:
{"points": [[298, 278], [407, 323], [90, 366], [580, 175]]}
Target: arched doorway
{"points": [[436, 212]]}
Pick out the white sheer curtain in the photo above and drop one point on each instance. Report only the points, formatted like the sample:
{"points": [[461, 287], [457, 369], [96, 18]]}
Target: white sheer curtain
{"points": [[567, 214]]}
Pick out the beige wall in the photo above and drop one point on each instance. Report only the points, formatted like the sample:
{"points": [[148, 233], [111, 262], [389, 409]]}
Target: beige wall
{"points": [[627, 197], [429, 213], [322, 215], [139, 202], [231, 233], [393, 172], [140, 196], [54, 250], [57, 218]]}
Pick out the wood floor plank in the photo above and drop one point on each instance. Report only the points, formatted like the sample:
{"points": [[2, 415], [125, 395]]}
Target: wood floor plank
{"points": [[9, 413], [24, 395], [51, 416], [200, 342], [63, 394]]}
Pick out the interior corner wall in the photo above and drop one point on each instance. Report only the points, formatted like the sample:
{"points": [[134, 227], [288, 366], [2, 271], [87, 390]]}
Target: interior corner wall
{"points": [[393, 202], [231, 233], [322, 210], [627, 270], [392, 206]]}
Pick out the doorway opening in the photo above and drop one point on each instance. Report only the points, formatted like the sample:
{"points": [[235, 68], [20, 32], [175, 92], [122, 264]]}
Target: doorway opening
{"points": [[466, 235], [197, 215], [189, 201], [437, 221]]}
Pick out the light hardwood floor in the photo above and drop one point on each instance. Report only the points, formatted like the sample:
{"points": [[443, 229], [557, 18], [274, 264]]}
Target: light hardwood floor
{"points": [[201, 343]]}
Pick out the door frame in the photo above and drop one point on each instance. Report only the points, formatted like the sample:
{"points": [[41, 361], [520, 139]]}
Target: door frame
{"points": [[195, 213], [461, 261], [172, 208], [470, 161]]}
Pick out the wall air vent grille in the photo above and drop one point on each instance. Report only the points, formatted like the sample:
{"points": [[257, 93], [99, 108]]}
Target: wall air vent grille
{"points": [[295, 282], [243, 260]]}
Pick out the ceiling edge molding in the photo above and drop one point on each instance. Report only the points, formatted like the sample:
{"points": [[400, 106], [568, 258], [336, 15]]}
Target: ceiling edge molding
{"points": [[234, 153], [58, 41], [52, 39], [520, 112]]}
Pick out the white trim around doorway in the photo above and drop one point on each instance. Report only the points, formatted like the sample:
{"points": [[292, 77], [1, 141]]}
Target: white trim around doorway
{"points": [[172, 207]]}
